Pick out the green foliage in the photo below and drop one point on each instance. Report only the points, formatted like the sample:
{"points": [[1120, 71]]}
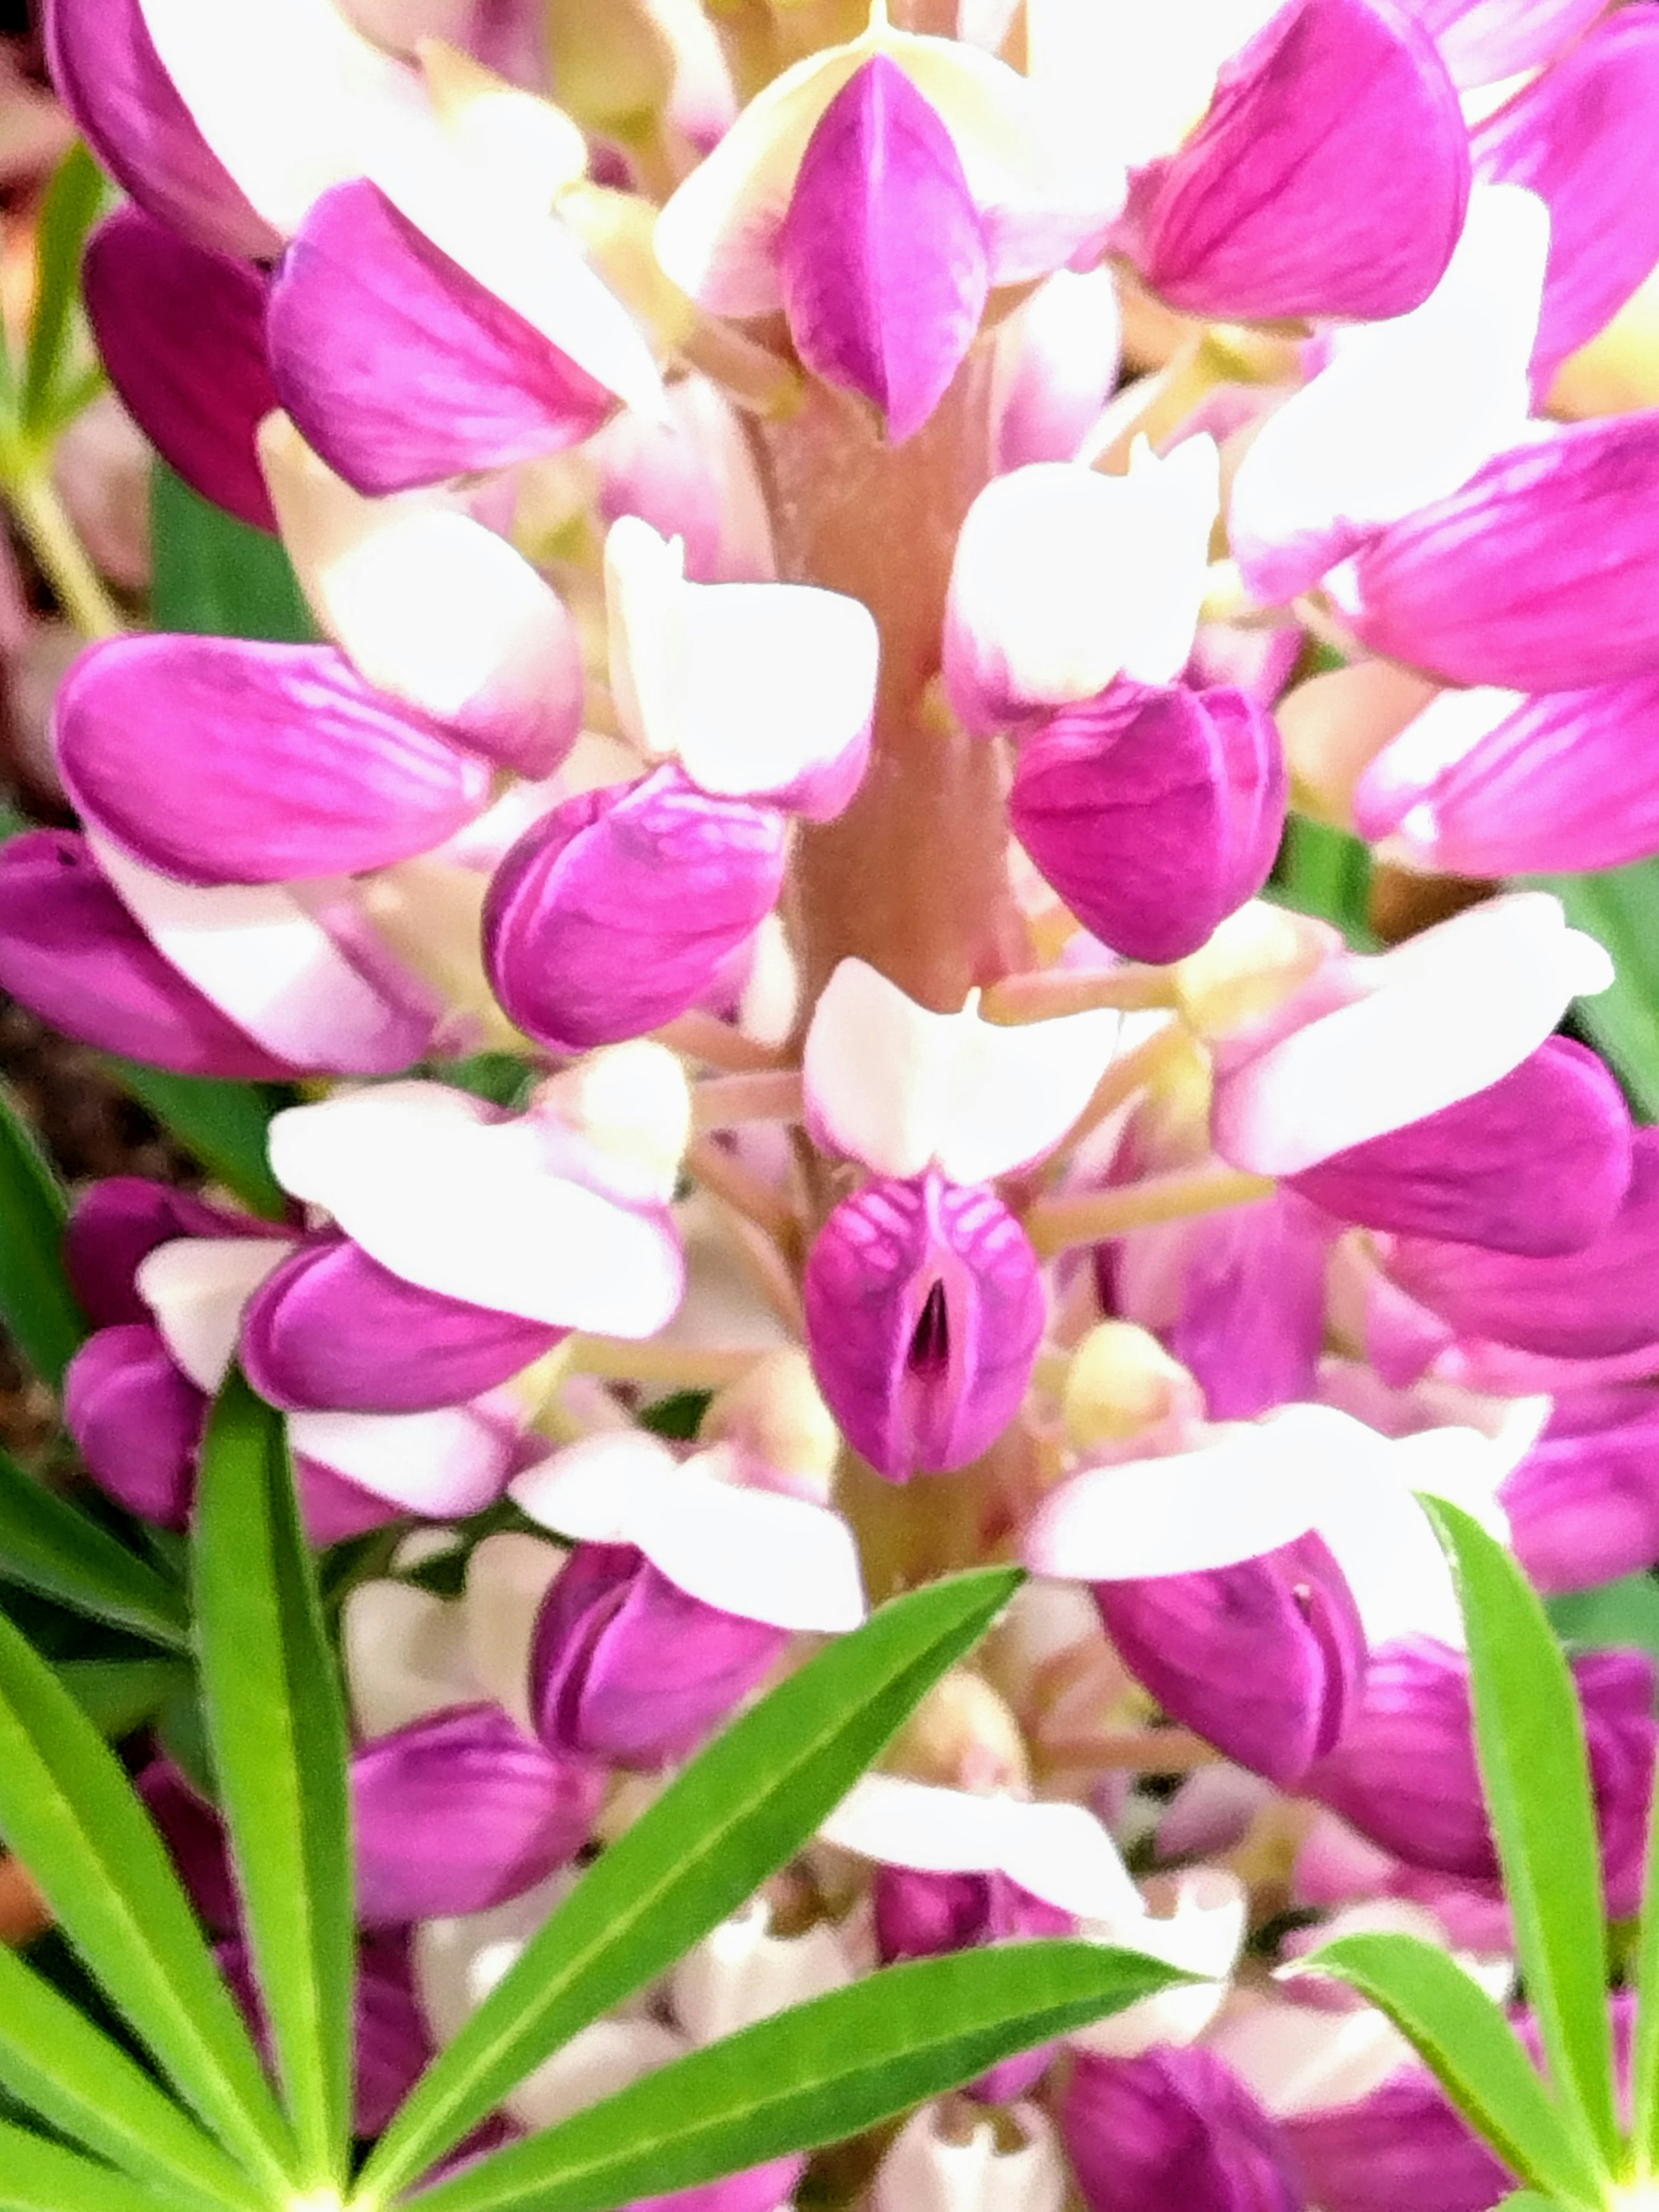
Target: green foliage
{"points": [[49, 1544], [220, 1123], [1327, 873], [37, 1305], [1620, 907], [217, 577], [59, 373]]}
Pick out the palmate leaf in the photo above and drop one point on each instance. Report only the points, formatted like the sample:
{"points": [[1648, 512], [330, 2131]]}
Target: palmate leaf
{"points": [[276, 1727], [49, 1544], [36, 1303], [736, 1814], [812, 2076], [1529, 1736], [1474, 2054], [69, 1812], [37, 2175]]}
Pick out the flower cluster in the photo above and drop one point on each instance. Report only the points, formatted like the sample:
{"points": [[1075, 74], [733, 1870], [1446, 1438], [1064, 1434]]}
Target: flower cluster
{"points": [[833, 550]]}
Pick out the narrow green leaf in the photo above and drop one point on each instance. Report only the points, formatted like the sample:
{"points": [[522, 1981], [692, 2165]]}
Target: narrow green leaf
{"points": [[1622, 1613], [276, 1725], [736, 1814], [119, 1695], [36, 1303], [221, 1124], [1620, 906], [54, 2060], [1474, 2054], [38, 2175], [1526, 2200], [49, 1544], [814, 2074], [73, 200], [1644, 2062], [69, 1812], [1325, 872], [1529, 1735], [215, 577]]}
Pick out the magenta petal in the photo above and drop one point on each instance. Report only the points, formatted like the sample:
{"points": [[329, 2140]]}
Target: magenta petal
{"points": [[614, 913], [1172, 2129], [1484, 41], [919, 1916], [117, 1223], [332, 1330], [1582, 137], [394, 2047], [1583, 1505], [1402, 2145], [1567, 783], [219, 760], [760, 2189], [137, 1421], [196, 1840], [1589, 1304], [398, 368], [1250, 1321], [882, 255], [110, 77], [599, 1684], [461, 1812], [924, 1310], [333, 1509], [71, 953], [1155, 814], [1538, 1164], [1541, 575], [1263, 1660], [1329, 178], [182, 332]]}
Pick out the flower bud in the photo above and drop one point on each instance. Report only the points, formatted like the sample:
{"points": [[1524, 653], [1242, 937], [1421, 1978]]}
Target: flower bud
{"points": [[1155, 814], [930, 2168], [137, 1422], [612, 65], [1172, 2126], [1121, 1382], [744, 1971], [924, 1310], [777, 1423], [613, 913]]}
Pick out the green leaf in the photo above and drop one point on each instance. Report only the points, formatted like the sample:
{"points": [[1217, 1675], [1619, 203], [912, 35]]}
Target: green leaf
{"points": [[36, 1303], [119, 1695], [221, 1124], [1325, 872], [54, 2060], [1477, 2058], [1529, 1735], [813, 2075], [276, 1727], [1622, 1613], [38, 2175], [217, 577], [49, 1544], [69, 1812], [1620, 907], [1644, 2061], [73, 200], [742, 1808]]}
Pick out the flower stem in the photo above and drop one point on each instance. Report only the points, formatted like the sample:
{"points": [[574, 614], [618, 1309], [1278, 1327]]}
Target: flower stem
{"points": [[720, 1102], [64, 560], [1054, 1225], [1044, 995]]}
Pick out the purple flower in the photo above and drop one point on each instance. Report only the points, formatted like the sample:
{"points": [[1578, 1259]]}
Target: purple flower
{"points": [[1172, 2128]]}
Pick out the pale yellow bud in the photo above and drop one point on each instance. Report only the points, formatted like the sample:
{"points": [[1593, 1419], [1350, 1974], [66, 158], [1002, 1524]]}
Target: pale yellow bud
{"points": [[963, 1736], [1121, 1382], [1618, 371], [1254, 962], [632, 1103], [612, 67], [775, 1415], [617, 231]]}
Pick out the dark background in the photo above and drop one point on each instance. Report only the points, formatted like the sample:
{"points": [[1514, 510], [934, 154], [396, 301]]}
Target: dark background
{"points": [[14, 16]]}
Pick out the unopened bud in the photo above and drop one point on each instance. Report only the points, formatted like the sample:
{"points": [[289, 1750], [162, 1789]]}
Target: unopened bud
{"points": [[778, 1422], [1256, 959], [612, 66], [1121, 1382], [963, 1736], [630, 1102]]}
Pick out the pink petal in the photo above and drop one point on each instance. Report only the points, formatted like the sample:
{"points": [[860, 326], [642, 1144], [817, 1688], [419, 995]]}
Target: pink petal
{"points": [[461, 1812], [1484, 41], [1329, 176], [71, 953], [119, 1222], [181, 331], [882, 254], [445, 1464], [393, 2043], [332, 1330], [399, 367], [1562, 782], [1250, 1324], [613, 913], [111, 80], [221, 761], [1402, 2144], [1541, 575], [1583, 1505], [136, 1421], [1172, 2127], [1155, 814], [1580, 137], [924, 1310], [1540, 1163], [1601, 1300]]}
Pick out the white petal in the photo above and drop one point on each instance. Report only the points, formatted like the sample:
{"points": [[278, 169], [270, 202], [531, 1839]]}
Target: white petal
{"points": [[430, 606], [758, 1554], [1203, 1933], [1389, 1556], [458, 1961], [530, 145], [595, 2063], [443, 1464], [405, 1656], [1065, 579], [1442, 1016], [1137, 78], [1301, 2058], [196, 1287], [629, 1108], [1408, 409], [474, 1210], [255, 952], [1059, 1852], [1017, 1090], [926, 2171], [507, 1576], [743, 1972]]}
